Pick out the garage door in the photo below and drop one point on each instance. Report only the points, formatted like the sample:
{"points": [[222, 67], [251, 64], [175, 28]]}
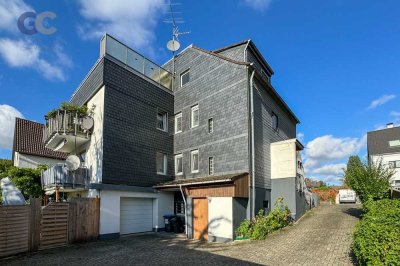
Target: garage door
{"points": [[136, 215]]}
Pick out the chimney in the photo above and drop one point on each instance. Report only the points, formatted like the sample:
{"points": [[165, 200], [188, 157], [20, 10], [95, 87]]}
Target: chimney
{"points": [[389, 125]]}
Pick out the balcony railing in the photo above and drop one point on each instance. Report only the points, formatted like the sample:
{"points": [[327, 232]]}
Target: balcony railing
{"points": [[134, 60], [62, 131], [65, 180]]}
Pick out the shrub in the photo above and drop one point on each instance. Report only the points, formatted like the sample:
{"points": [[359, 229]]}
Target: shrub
{"points": [[370, 180], [376, 239], [263, 224]]}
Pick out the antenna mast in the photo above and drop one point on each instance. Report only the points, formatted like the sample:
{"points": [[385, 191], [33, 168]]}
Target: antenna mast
{"points": [[174, 45]]}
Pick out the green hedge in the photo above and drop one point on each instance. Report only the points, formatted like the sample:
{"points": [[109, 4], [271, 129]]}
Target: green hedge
{"points": [[377, 237], [262, 224]]}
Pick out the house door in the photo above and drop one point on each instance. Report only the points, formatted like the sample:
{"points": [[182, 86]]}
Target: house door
{"points": [[200, 218]]}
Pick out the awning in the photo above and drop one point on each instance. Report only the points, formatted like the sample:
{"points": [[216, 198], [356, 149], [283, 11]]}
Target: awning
{"points": [[206, 180]]}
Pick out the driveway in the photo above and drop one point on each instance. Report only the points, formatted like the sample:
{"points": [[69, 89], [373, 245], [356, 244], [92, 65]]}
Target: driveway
{"points": [[321, 237]]}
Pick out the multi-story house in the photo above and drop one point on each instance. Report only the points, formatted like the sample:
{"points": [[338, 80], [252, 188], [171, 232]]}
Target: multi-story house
{"points": [[207, 131], [384, 146]]}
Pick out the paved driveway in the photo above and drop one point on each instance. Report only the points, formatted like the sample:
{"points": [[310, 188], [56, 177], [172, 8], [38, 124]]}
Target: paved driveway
{"points": [[321, 237]]}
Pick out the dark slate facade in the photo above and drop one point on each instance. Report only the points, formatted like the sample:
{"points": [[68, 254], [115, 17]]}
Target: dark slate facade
{"points": [[130, 136], [378, 141], [219, 87]]}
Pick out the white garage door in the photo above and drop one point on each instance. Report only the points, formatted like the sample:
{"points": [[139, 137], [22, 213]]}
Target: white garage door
{"points": [[136, 215]]}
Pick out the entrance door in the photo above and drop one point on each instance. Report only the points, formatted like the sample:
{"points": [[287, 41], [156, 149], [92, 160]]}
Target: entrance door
{"points": [[200, 218]]}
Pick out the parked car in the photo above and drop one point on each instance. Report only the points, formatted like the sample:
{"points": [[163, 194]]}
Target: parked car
{"points": [[347, 196]]}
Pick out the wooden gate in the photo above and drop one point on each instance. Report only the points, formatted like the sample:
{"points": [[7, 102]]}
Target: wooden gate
{"points": [[54, 226], [200, 218], [14, 229]]}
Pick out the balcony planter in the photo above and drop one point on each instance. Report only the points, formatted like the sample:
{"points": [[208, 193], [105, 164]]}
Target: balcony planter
{"points": [[64, 129]]}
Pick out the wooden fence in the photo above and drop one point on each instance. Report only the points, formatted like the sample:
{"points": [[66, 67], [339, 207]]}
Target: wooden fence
{"points": [[32, 227], [14, 230]]}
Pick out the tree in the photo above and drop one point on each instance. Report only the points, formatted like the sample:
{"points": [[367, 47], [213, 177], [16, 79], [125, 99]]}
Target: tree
{"points": [[370, 180], [4, 166], [25, 179]]}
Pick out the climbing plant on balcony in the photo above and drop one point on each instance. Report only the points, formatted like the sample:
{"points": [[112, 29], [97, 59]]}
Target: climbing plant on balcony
{"points": [[69, 107]]}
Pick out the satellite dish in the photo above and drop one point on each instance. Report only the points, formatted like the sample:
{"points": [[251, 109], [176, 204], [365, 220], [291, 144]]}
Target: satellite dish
{"points": [[72, 162], [173, 45], [87, 123]]}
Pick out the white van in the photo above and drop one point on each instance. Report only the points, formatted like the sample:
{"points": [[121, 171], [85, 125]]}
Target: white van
{"points": [[347, 195]]}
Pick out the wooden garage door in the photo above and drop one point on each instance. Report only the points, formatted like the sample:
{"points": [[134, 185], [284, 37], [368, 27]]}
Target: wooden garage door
{"points": [[200, 218], [136, 215]]}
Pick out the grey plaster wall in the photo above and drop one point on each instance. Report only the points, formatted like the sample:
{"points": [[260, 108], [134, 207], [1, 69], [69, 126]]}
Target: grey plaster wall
{"points": [[239, 212], [286, 188]]}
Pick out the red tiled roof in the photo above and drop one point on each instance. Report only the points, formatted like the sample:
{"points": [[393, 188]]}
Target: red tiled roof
{"points": [[28, 139]]}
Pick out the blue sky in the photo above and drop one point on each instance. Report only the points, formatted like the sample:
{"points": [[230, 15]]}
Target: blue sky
{"points": [[336, 62]]}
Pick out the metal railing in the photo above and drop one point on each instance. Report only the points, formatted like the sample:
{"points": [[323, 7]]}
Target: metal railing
{"points": [[63, 122], [58, 175], [134, 60]]}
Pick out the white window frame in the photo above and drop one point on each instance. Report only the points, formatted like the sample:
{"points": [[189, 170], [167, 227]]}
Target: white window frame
{"points": [[165, 162], [178, 156], [165, 118], [177, 116], [211, 166], [181, 76], [192, 162], [192, 109], [210, 128]]}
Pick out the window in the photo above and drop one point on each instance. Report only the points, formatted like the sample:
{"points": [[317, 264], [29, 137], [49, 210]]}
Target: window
{"points": [[162, 121], [394, 143], [210, 125], [394, 164], [211, 165], [266, 204], [194, 161], [178, 123], [185, 77], [194, 116], [274, 121], [178, 164], [161, 162]]}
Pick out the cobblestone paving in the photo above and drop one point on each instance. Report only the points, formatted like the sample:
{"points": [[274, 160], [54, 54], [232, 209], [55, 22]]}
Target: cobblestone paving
{"points": [[321, 237]]}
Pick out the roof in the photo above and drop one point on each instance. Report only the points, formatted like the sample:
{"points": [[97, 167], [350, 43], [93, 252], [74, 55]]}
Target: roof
{"points": [[28, 139], [378, 141], [221, 56], [252, 46], [202, 180]]}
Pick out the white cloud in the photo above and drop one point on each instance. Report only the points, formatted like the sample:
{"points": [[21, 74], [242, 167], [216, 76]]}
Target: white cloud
{"points": [[325, 156], [10, 10], [300, 136], [395, 114], [132, 22], [21, 53], [329, 169], [7, 124], [380, 101], [258, 5]]}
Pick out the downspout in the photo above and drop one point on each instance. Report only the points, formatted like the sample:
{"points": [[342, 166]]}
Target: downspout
{"points": [[184, 203], [253, 171]]}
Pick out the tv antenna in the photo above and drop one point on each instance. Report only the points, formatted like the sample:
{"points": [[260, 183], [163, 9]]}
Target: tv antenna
{"points": [[174, 45]]}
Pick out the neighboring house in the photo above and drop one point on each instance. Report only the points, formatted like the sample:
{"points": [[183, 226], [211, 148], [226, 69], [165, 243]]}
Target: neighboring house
{"points": [[202, 132], [384, 145], [28, 148]]}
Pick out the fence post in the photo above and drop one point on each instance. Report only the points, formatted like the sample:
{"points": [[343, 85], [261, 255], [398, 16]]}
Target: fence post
{"points": [[35, 214]]}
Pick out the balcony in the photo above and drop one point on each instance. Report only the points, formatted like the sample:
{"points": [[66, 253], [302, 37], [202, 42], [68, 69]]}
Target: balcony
{"points": [[134, 60], [64, 132], [66, 181]]}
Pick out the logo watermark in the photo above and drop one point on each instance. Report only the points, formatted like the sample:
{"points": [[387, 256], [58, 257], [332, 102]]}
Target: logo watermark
{"points": [[31, 23]]}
